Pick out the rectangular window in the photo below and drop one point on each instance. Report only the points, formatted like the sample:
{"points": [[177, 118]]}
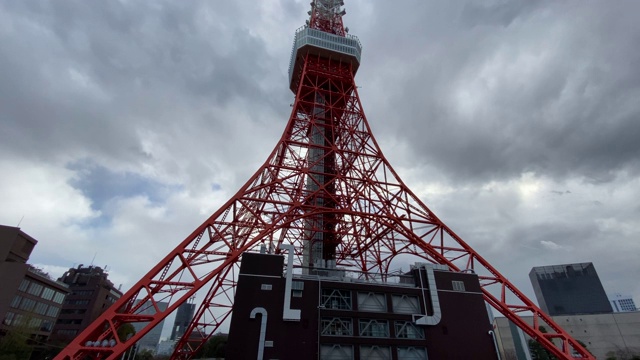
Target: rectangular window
{"points": [[34, 323], [46, 326], [53, 311], [83, 292], [372, 302], [412, 353], [406, 304], [48, 293], [336, 299], [336, 352], [41, 308], [297, 285], [15, 303], [67, 332], [266, 287], [58, 297], [8, 319], [337, 327], [78, 302], [375, 352], [35, 289], [408, 330], [24, 285], [27, 304], [374, 328], [458, 285]]}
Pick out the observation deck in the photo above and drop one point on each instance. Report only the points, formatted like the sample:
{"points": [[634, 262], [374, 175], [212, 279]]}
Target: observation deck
{"points": [[309, 41]]}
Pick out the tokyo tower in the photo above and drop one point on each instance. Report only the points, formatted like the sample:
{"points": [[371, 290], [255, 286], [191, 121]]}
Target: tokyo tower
{"points": [[327, 194]]}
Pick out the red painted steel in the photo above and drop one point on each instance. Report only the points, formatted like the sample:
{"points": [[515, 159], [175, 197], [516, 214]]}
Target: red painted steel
{"points": [[377, 224]]}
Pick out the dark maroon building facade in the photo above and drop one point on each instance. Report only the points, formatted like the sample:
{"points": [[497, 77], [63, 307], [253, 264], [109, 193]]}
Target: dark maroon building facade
{"points": [[429, 313], [30, 300], [91, 293]]}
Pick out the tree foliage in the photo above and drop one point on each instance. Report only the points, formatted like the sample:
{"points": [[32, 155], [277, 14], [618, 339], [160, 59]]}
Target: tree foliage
{"points": [[214, 347], [538, 352], [125, 331], [14, 344], [144, 355], [621, 355]]}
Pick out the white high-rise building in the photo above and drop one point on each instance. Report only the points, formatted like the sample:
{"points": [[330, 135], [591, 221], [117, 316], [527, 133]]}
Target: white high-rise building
{"points": [[151, 339], [622, 303], [165, 347]]}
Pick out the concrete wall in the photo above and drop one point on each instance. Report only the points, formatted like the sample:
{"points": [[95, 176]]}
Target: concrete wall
{"points": [[601, 333]]}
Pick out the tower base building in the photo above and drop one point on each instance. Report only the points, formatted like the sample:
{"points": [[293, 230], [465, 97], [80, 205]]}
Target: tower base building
{"points": [[332, 314]]}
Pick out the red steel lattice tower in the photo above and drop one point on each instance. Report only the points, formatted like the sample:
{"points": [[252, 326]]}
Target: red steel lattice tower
{"points": [[326, 189]]}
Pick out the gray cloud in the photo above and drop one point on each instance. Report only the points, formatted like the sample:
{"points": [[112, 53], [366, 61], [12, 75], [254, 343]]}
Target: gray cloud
{"points": [[488, 111], [489, 93]]}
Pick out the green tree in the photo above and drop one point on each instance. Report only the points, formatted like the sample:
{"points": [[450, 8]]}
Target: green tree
{"points": [[214, 347], [53, 348], [144, 355], [126, 331], [584, 346], [14, 344], [538, 352]]}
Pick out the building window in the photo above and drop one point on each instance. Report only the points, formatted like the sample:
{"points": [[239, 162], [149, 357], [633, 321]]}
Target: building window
{"points": [[297, 285], [73, 311], [41, 308], [15, 303], [374, 328], [405, 304], [408, 330], [336, 352], [372, 302], [53, 311], [27, 304], [336, 299], [296, 288], [458, 285], [58, 297], [337, 327], [48, 293], [24, 285], [83, 292], [46, 326], [266, 287], [8, 319], [67, 332], [375, 352], [35, 289], [35, 323], [17, 320], [78, 302], [412, 353]]}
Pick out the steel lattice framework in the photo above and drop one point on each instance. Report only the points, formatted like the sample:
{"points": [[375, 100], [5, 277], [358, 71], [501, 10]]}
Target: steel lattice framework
{"points": [[371, 221]]}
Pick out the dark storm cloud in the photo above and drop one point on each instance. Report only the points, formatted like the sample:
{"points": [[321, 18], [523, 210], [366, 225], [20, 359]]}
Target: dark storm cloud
{"points": [[86, 78], [489, 92]]}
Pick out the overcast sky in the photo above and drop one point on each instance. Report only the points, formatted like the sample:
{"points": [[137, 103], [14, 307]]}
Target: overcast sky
{"points": [[125, 124]]}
